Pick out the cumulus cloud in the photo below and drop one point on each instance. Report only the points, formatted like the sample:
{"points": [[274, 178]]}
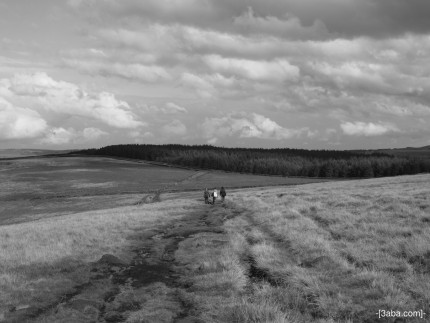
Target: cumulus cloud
{"points": [[305, 60], [168, 108], [90, 134], [203, 87], [63, 136], [278, 70], [171, 107], [140, 72], [163, 42], [401, 108], [359, 128], [65, 98], [289, 27], [19, 123], [59, 136], [164, 10], [256, 126], [175, 128], [345, 17]]}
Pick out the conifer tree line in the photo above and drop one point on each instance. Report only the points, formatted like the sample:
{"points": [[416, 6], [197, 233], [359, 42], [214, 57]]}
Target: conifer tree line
{"points": [[282, 161]]}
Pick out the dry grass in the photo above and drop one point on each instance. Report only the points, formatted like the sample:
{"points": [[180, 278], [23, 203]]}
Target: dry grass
{"points": [[342, 250], [323, 253], [332, 252], [43, 259]]}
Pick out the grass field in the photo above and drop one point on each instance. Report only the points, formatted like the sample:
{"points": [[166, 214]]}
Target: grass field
{"points": [[338, 251], [33, 188], [14, 153], [320, 252], [43, 260]]}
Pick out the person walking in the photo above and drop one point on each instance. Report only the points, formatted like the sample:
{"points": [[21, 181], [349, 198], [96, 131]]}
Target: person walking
{"points": [[206, 196], [214, 196], [222, 193]]}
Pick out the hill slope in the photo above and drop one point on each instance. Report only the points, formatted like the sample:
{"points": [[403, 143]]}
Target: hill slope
{"points": [[312, 253]]}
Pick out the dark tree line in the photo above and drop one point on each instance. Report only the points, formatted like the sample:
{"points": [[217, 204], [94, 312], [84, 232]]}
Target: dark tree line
{"points": [[285, 161]]}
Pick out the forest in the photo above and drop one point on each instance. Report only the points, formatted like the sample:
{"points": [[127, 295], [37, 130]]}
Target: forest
{"points": [[279, 161]]}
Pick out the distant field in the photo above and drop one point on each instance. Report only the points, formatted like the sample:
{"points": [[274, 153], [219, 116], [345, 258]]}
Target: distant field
{"points": [[32, 188], [13, 153]]}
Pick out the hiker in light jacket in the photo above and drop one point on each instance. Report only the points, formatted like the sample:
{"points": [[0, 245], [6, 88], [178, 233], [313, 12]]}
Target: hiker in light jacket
{"points": [[214, 195]]}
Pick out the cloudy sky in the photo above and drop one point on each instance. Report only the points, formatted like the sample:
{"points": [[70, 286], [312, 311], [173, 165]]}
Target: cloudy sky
{"points": [[315, 74]]}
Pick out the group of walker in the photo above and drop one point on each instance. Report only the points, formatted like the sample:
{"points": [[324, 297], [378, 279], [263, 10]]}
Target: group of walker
{"points": [[214, 195]]}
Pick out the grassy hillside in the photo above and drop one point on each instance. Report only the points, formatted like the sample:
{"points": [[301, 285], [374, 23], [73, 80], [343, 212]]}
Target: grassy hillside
{"points": [[337, 251], [42, 261], [325, 252]]}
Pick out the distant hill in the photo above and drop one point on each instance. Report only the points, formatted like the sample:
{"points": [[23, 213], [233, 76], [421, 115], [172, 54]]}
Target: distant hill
{"points": [[16, 153], [409, 152]]}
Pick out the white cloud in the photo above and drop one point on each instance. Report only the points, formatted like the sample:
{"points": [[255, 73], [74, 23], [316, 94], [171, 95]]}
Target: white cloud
{"points": [[401, 108], [138, 137], [289, 27], [175, 128], [277, 57], [171, 107], [203, 87], [359, 128], [148, 135], [19, 123], [59, 136], [40, 91], [136, 71], [278, 70], [255, 126], [91, 134], [166, 41], [167, 108], [181, 10], [212, 141], [63, 136]]}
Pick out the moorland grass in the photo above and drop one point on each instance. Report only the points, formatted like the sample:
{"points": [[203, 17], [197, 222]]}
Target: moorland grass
{"points": [[41, 260], [327, 252], [341, 251], [332, 252]]}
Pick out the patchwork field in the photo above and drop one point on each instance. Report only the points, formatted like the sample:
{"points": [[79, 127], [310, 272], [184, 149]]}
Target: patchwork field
{"points": [[322, 252]]}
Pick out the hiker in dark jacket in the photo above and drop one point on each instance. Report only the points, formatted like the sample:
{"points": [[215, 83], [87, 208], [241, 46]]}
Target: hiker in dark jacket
{"points": [[206, 196], [222, 193]]}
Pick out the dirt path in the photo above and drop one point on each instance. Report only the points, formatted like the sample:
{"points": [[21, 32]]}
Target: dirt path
{"points": [[177, 271], [148, 285]]}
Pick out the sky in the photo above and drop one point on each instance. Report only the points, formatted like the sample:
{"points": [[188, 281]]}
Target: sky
{"points": [[312, 74]]}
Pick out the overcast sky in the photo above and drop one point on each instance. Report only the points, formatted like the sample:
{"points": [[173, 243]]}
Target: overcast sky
{"points": [[315, 74]]}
